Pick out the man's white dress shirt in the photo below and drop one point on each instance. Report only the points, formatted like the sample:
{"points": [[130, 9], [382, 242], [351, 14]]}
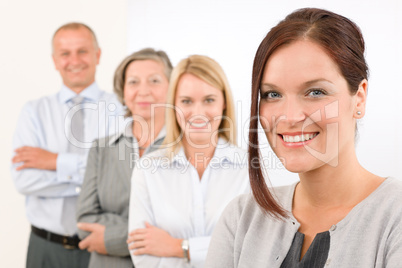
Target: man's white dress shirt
{"points": [[45, 123]]}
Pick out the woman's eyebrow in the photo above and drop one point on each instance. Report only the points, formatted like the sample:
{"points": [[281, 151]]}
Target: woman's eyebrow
{"points": [[268, 86], [309, 83]]}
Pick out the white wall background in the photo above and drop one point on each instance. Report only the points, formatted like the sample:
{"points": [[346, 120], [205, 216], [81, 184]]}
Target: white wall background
{"points": [[226, 30], [27, 73]]}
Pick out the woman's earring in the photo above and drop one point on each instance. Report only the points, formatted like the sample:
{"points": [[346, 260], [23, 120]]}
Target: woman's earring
{"points": [[359, 113]]}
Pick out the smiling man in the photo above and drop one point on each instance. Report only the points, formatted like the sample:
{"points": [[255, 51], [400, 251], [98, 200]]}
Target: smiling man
{"points": [[51, 144]]}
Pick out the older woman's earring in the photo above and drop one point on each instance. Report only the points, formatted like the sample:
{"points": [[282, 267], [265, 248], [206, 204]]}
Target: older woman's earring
{"points": [[359, 113]]}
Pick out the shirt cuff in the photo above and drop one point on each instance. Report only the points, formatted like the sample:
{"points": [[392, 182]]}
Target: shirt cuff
{"points": [[198, 247], [68, 167]]}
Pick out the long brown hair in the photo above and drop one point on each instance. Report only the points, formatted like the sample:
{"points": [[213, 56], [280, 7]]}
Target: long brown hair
{"points": [[339, 37]]}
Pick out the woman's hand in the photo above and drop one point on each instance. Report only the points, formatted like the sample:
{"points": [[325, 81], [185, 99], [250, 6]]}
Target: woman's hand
{"points": [[95, 241], [154, 241]]}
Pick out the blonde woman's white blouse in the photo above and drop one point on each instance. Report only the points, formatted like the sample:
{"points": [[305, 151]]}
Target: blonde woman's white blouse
{"points": [[168, 193]]}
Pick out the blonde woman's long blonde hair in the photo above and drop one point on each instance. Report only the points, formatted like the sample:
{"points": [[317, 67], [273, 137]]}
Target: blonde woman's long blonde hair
{"points": [[212, 73]]}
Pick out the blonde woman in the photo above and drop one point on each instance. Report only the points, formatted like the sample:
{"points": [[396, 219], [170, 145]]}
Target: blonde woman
{"points": [[178, 193]]}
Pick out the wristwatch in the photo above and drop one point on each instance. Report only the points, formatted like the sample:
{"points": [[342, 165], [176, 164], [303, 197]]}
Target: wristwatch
{"points": [[184, 247]]}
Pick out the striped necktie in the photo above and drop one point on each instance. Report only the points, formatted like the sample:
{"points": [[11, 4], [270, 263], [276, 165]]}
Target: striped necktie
{"points": [[77, 123], [77, 131]]}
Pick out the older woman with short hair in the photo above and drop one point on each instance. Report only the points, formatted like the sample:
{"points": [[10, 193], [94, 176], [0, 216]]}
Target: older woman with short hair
{"points": [[141, 83]]}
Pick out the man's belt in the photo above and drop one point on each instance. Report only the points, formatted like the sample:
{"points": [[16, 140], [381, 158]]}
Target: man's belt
{"points": [[68, 242]]}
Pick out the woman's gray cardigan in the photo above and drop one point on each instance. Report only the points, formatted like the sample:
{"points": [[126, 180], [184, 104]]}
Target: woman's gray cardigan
{"points": [[369, 236]]}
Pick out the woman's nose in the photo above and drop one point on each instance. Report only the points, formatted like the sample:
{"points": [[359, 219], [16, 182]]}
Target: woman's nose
{"points": [[143, 89], [293, 112], [197, 110]]}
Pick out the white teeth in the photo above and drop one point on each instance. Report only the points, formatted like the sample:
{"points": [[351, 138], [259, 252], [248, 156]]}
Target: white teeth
{"points": [[298, 138], [77, 70], [198, 125]]}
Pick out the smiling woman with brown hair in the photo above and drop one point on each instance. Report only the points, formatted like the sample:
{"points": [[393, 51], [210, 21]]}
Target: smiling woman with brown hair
{"points": [[309, 88]]}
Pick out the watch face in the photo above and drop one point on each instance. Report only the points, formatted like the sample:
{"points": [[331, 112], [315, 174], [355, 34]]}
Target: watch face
{"points": [[184, 244]]}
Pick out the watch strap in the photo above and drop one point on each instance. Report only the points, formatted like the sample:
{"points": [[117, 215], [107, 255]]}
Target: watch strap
{"points": [[185, 248]]}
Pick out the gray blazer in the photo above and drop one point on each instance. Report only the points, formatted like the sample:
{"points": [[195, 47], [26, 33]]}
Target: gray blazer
{"points": [[105, 194]]}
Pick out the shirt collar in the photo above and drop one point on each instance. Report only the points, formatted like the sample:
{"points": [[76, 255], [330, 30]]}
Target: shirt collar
{"points": [[224, 152], [128, 133], [90, 93]]}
